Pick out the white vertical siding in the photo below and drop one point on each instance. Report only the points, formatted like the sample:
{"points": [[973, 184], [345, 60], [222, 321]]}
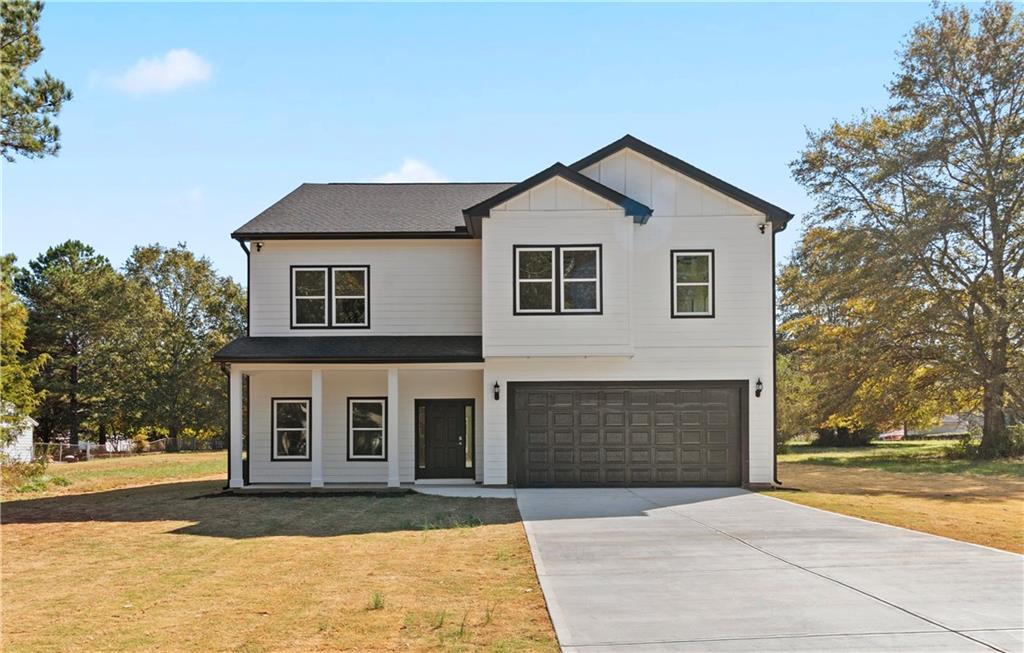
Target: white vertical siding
{"points": [[735, 345], [417, 287]]}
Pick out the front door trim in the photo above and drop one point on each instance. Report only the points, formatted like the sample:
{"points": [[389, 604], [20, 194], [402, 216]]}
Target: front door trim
{"points": [[466, 472]]}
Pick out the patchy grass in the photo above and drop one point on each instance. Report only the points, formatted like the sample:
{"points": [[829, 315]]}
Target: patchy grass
{"points": [[178, 567], [109, 473], [912, 484], [903, 456]]}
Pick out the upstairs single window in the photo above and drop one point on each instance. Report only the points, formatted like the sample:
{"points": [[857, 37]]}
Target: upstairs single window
{"points": [[693, 274], [309, 297], [553, 279], [351, 296]]}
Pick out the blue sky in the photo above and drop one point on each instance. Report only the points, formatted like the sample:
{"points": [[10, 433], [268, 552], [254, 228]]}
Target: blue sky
{"points": [[189, 119]]}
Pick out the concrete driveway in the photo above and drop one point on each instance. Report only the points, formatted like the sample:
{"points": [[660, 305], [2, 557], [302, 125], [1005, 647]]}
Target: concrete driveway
{"points": [[727, 570]]}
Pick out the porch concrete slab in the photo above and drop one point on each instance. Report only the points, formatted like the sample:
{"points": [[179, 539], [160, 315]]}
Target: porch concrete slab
{"points": [[944, 642], [702, 569]]}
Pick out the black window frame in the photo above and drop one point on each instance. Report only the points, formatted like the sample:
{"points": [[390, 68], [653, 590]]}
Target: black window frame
{"points": [[674, 282], [348, 431], [558, 279], [274, 457], [330, 300]]}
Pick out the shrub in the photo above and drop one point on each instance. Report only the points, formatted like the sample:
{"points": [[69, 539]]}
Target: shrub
{"points": [[19, 476], [968, 447], [140, 443], [844, 436]]}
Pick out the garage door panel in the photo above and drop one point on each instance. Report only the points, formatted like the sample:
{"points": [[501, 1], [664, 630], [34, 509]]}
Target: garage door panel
{"points": [[667, 438], [641, 434]]}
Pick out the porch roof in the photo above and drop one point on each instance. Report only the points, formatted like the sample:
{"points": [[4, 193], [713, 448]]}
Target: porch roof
{"points": [[352, 349]]}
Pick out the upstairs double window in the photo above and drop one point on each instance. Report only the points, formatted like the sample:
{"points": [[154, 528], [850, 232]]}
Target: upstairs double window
{"points": [[326, 297], [553, 279]]}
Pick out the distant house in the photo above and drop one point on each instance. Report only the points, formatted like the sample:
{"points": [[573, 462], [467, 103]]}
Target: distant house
{"points": [[949, 426], [20, 448]]}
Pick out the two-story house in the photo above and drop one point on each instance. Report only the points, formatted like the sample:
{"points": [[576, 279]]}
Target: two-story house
{"points": [[606, 323]]}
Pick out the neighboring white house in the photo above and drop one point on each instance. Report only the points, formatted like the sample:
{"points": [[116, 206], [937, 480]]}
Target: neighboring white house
{"points": [[610, 322], [20, 448]]}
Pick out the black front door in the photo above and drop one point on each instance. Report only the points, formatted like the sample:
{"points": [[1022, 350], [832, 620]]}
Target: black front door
{"points": [[444, 438]]}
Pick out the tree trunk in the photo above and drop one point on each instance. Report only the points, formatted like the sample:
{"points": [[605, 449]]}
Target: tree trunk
{"points": [[995, 439], [73, 407]]}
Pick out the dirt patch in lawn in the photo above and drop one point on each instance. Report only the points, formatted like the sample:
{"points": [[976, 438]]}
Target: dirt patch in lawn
{"points": [[982, 509], [157, 569]]}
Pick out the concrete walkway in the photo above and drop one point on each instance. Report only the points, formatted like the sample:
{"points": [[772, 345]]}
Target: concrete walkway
{"points": [[726, 570]]}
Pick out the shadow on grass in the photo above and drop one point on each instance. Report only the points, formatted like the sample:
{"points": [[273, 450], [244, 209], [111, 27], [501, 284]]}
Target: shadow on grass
{"points": [[241, 517]]}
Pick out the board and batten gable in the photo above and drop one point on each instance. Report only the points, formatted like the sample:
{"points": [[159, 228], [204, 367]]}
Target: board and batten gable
{"points": [[637, 338], [417, 287], [556, 213]]}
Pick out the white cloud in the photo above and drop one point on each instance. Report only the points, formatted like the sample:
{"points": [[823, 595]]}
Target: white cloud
{"points": [[173, 70], [411, 170]]}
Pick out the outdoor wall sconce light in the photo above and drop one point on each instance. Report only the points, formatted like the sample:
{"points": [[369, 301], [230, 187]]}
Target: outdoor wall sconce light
{"points": [[497, 391], [758, 387], [259, 246]]}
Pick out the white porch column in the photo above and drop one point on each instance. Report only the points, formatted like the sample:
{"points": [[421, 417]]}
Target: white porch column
{"points": [[394, 479], [235, 437], [316, 429]]}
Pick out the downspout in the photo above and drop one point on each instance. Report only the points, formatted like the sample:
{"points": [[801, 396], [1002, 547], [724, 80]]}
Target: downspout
{"points": [[775, 377], [248, 298]]}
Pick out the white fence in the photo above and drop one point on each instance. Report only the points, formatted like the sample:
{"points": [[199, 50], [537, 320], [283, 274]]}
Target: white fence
{"points": [[61, 452]]}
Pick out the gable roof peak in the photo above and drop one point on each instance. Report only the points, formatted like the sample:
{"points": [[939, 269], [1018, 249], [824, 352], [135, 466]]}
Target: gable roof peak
{"points": [[777, 215]]}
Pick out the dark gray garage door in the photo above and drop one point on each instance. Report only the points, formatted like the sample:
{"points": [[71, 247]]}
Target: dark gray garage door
{"points": [[622, 434]]}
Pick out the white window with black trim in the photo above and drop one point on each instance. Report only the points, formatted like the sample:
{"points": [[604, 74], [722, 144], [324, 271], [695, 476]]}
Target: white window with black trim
{"points": [[309, 296], [693, 278], [351, 296], [290, 428], [557, 279], [367, 428]]}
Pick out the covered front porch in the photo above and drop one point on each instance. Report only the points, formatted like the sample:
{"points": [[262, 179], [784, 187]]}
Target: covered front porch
{"points": [[323, 418]]}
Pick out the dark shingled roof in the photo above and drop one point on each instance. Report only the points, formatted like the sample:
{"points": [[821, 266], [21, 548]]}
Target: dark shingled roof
{"points": [[370, 209], [353, 349]]}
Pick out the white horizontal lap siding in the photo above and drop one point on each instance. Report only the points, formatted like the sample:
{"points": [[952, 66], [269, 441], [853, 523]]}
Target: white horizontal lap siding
{"points": [[417, 287], [439, 384], [264, 386], [649, 364], [338, 387]]}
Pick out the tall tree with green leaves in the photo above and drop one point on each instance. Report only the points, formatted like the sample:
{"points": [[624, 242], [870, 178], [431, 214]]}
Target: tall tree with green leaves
{"points": [[18, 398], [933, 186], [76, 302], [199, 312], [27, 106]]}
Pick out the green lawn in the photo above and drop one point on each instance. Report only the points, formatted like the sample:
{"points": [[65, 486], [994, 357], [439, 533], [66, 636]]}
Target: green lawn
{"points": [[905, 456], [106, 473]]}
